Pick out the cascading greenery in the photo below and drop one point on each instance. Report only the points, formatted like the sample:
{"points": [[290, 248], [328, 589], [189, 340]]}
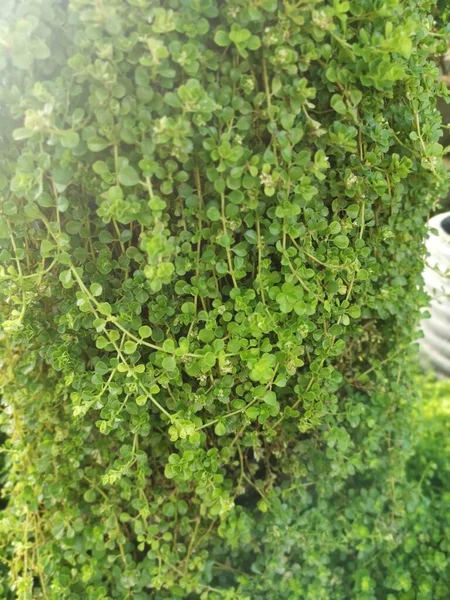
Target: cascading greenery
{"points": [[211, 238]]}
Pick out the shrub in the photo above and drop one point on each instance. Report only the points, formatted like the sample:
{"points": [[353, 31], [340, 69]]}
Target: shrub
{"points": [[3, 559], [429, 522], [213, 216]]}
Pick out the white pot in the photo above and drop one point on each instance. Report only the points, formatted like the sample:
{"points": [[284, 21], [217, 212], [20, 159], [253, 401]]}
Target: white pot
{"points": [[435, 346]]}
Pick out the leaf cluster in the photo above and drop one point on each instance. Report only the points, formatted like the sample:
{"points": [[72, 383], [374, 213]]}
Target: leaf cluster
{"points": [[211, 245]]}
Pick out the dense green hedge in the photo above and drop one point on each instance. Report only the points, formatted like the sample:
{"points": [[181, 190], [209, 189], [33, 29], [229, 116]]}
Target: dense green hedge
{"points": [[427, 547], [211, 239]]}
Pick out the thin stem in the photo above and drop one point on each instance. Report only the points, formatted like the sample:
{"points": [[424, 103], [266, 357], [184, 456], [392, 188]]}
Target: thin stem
{"points": [[115, 321], [258, 232], [227, 249], [227, 416]]}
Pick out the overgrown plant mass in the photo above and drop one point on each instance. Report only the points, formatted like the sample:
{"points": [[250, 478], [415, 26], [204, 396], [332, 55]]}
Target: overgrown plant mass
{"points": [[211, 238]]}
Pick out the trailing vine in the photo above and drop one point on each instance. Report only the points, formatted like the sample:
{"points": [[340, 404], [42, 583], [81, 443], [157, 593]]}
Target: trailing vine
{"points": [[211, 245]]}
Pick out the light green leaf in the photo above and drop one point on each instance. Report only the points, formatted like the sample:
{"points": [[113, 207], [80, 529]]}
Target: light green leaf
{"points": [[97, 144], [128, 176], [145, 331], [222, 38], [129, 347], [70, 139], [220, 429], [96, 289], [169, 363], [341, 241]]}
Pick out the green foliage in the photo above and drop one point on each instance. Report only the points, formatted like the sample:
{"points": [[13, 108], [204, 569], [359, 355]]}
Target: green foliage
{"points": [[212, 217], [387, 538], [429, 540], [4, 590]]}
